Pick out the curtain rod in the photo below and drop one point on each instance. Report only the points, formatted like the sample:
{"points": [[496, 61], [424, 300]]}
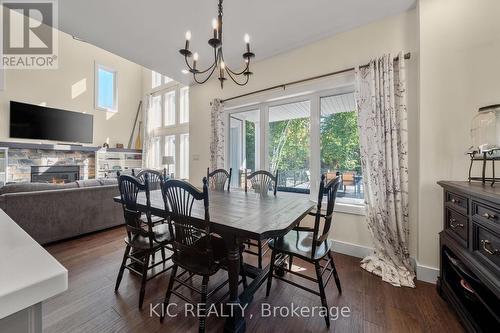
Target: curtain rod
{"points": [[284, 85]]}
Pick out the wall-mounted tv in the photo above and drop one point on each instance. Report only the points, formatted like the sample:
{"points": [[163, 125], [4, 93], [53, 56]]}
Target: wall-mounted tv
{"points": [[28, 121]]}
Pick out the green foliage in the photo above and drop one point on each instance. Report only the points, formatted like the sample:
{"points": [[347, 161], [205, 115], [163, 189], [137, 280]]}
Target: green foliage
{"points": [[289, 144], [250, 144], [340, 142]]}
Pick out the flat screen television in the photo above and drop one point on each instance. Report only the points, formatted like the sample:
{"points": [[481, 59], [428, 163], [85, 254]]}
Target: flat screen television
{"points": [[28, 121]]}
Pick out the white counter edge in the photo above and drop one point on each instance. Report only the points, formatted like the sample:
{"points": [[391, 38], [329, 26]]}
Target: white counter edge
{"points": [[35, 289]]}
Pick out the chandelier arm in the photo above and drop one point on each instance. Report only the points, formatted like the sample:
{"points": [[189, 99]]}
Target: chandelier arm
{"points": [[199, 72], [187, 63], [235, 81], [233, 72], [247, 67], [206, 79]]}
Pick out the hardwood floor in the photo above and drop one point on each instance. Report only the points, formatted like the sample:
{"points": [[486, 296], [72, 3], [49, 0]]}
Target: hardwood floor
{"points": [[90, 304]]}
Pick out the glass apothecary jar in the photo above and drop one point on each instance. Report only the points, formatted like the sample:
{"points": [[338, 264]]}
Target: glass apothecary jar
{"points": [[485, 129]]}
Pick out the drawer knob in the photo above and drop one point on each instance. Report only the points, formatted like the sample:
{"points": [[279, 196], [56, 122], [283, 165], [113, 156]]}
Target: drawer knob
{"points": [[488, 248], [489, 216], [455, 201], [454, 224]]}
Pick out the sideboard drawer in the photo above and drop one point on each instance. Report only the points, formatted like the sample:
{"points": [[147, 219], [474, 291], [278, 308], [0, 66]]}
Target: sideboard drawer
{"points": [[457, 201], [457, 223], [481, 211], [487, 244]]}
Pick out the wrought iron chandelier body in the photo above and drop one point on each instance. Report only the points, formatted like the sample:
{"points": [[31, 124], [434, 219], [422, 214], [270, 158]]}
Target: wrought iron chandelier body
{"points": [[201, 76]]}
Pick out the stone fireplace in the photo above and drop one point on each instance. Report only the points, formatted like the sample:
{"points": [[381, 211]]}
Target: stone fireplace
{"points": [[22, 161], [58, 174]]}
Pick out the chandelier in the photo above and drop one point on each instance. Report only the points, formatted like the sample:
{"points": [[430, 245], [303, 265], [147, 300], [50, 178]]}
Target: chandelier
{"points": [[218, 66]]}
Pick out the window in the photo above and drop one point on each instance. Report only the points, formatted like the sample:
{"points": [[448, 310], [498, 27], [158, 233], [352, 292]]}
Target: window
{"points": [[169, 108], [168, 126], [184, 105], [340, 145], [154, 161], [154, 116], [166, 79], [184, 156], [305, 137], [244, 154], [170, 151], [157, 79], [105, 90], [289, 145]]}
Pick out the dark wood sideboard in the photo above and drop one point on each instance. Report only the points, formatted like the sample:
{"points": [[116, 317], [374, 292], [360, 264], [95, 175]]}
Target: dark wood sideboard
{"points": [[469, 278]]}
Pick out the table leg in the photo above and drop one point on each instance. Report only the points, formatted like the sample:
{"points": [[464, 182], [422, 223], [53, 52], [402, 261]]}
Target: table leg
{"points": [[235, 323]]}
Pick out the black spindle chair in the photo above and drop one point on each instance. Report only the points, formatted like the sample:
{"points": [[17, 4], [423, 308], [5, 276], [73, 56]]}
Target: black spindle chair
{"points": [[217, 179], [143, 239], [310, 245], [261, 182], [154, 178], [196, 250]]}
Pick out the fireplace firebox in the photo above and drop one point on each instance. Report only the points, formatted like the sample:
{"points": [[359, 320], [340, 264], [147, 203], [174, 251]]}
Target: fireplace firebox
{"points": [[58, 174]]}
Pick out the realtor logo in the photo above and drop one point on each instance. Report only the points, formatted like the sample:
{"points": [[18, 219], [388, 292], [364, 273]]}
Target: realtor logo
{"points": [[29, 34]]}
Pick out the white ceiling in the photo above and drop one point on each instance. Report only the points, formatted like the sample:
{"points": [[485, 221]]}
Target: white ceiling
{"points": [[151, 32]]}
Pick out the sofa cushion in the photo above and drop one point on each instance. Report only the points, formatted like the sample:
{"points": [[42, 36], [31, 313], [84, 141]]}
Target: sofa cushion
{"points": [[88, 183], [34, 187], [108, 181]]}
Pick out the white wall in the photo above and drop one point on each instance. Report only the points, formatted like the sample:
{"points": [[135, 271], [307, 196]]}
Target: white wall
{"points": [[342, 51], [71, 87], [459, 72]]}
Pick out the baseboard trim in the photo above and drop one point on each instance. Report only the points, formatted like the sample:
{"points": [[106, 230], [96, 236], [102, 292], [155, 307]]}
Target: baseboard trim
{"points": [[424, 273], [427, 273], [351, 249]]}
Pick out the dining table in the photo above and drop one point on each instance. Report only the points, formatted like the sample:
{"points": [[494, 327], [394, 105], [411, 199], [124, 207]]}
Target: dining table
{"points": [[237, 216]]}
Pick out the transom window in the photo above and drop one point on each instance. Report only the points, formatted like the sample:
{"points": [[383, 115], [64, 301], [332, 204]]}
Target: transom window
{"points": [[157, 79]]}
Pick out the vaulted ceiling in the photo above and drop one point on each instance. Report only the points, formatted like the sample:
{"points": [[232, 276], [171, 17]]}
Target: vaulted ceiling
{"points": [[151, 32]]}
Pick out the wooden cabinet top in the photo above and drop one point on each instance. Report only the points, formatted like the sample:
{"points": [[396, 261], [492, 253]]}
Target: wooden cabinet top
{"points": [[476, 189]]}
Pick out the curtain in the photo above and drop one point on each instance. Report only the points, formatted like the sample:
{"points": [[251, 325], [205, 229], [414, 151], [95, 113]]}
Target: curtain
{"points": [[147, 140], [217, 135], [382, 119]]}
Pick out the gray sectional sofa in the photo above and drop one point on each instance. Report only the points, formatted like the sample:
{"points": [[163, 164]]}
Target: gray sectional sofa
{"points": [[51, 212]]}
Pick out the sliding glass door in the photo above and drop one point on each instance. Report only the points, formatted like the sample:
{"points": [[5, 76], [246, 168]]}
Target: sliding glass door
{"points": [[244, 148]]}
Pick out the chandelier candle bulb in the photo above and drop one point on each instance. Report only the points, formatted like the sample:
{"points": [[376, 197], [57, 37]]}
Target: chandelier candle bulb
{"points": [[222, 67], [214, 26], [247, 41], [188, 38], [195, 59]]}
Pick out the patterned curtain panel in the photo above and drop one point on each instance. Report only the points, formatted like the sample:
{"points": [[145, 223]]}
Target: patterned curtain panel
{"points": [[217, 135], [147, 150], [382, 117]]}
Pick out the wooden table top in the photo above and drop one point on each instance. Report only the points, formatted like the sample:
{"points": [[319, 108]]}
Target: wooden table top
{"points": [[244, 214]]}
